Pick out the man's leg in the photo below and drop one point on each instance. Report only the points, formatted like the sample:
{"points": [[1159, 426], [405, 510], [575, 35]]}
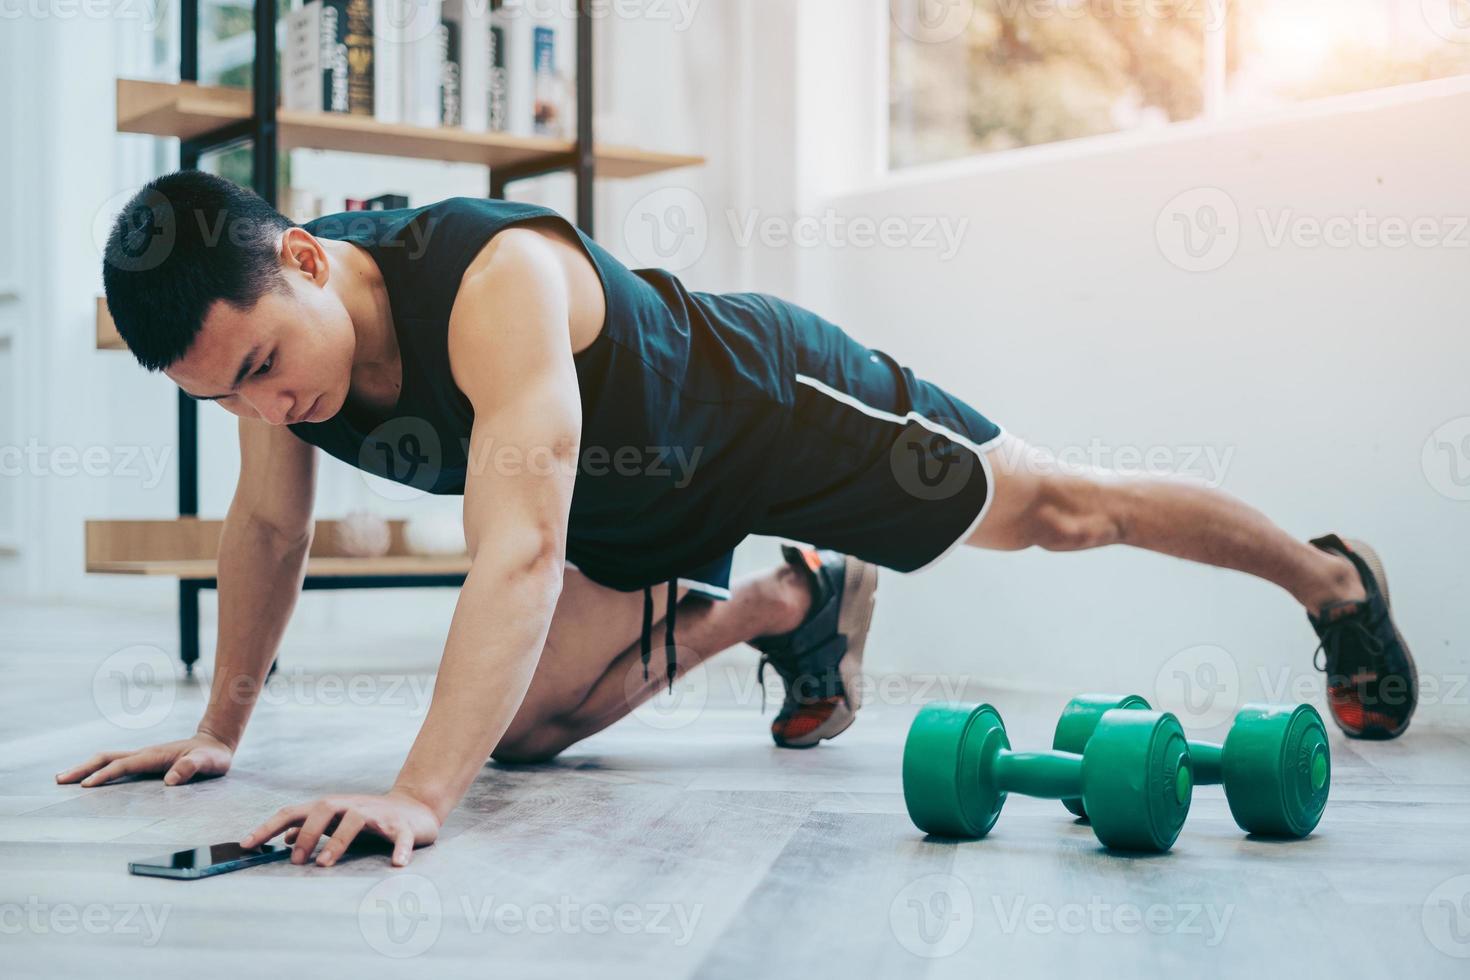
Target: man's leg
{"points": [[591, 673], [1038, 504], [1372, 683]]}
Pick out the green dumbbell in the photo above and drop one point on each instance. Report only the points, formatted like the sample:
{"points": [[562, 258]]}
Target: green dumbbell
{"points": [[1275, 764], [1135, 774]]}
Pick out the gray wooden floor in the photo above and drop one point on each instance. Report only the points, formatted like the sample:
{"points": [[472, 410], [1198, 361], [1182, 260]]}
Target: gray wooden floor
{"points": [[683, 845]]}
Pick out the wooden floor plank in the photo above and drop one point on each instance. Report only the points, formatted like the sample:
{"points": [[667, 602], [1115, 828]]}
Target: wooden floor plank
{"points": [[724, 856]]}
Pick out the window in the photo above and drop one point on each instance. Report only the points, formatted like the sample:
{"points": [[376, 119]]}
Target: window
{"points": [[976, 76]]}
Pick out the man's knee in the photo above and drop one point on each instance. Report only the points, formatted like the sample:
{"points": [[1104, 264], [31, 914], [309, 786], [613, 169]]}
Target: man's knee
{"points": [[541, 744]]}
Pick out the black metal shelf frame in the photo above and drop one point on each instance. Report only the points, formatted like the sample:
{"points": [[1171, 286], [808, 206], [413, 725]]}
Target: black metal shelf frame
{"points": [[260, 130]]}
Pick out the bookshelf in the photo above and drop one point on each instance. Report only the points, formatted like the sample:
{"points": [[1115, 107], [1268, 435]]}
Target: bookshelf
{"points": [[186, 110], [188, 548], [205, 117]]}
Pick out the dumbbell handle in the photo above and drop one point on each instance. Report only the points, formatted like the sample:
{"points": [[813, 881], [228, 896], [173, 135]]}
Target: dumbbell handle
{"points": [[1206, 757], [1049, 775]]}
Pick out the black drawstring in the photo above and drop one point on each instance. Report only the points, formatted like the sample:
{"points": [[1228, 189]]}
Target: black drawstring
{"points": [[671, 660], [760, 678], [647, 628]]}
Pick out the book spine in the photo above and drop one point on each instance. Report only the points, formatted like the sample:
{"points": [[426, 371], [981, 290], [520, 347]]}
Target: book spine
{"points": [[333, 56], [519, 70], [301, 64], [498, 82], [387, 61], [545, 116], [359, 42], [422, 106], [450, 100], [387, 202]]}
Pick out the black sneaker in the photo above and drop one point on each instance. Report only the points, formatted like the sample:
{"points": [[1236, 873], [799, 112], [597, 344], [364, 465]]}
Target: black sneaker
{"points": [[821, 660], [1372, 683]]}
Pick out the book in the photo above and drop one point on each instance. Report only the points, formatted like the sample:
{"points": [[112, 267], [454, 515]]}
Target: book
{"points": [[301, 86], [451, 103], [497, 82], [387, 202], [421, 63], [471, 21], [517, 31], [546, 115], [327, 62], [357, 38], [388, 19]]}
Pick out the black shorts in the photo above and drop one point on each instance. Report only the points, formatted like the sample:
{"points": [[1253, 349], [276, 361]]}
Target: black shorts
{"points": [[874, 462]]}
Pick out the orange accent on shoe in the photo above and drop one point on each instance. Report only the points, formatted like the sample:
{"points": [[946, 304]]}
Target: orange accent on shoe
{"points": [[1347, 710], [813, 559], [1350, 713], [805, 719]]}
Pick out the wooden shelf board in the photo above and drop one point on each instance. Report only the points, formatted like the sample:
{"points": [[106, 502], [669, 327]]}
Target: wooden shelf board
{"points": [[187, 548], [107, 336], [182, 109], [187, 109], [207, 568], [363, 134]]}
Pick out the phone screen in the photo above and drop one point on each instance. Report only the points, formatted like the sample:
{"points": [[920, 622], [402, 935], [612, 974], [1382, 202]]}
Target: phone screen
{"points": [[212, 859]]}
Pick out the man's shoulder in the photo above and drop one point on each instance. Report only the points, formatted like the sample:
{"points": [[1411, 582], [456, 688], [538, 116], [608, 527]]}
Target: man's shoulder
{"points": [[512, 254]]}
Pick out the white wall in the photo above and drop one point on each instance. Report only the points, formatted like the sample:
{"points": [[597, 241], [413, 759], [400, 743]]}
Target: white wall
{"points": [[1059, 316], [1322, 370], [77, 172]]}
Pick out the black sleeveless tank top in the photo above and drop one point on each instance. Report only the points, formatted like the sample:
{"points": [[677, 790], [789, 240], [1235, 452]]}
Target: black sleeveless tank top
{"points": [[685, 395]]}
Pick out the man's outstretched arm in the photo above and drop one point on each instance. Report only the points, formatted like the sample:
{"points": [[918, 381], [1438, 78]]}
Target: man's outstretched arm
{"points": [[262, 561], [510, 350]]}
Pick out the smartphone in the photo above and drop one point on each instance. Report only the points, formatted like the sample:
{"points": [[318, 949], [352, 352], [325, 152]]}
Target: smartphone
{"points": [[214, 859]]}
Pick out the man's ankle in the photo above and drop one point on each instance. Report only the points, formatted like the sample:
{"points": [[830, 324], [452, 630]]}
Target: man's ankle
{"points": [[1340, 582], [788, 592]]}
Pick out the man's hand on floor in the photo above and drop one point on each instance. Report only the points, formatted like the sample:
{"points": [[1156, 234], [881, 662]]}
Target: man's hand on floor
{"points": [[181, 761], [396, 817]]}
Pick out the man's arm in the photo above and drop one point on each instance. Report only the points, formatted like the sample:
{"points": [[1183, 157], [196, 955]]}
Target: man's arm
{"points": [[263, 547], [262, 560], [510, 350]]}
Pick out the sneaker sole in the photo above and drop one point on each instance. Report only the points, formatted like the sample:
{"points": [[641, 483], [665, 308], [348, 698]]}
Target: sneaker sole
{"points": [[841, 719], [859, 598], [1375, 565]]}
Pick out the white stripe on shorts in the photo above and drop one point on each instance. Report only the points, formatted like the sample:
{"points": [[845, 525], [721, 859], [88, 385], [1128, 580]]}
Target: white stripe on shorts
{"points": [[979, 449]]}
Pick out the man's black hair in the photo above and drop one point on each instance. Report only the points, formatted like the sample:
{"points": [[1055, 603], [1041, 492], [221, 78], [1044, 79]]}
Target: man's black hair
{"points": [[184, 241]]}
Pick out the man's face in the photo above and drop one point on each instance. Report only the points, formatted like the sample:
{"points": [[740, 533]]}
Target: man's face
{"points": [[287, 360]]}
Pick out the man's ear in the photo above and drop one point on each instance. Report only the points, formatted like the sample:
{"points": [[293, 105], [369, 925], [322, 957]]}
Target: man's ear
{"points": [[302, 254]]}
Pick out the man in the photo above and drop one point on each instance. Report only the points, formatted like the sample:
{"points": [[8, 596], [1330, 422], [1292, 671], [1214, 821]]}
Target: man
{"points": [[486, 348]]}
